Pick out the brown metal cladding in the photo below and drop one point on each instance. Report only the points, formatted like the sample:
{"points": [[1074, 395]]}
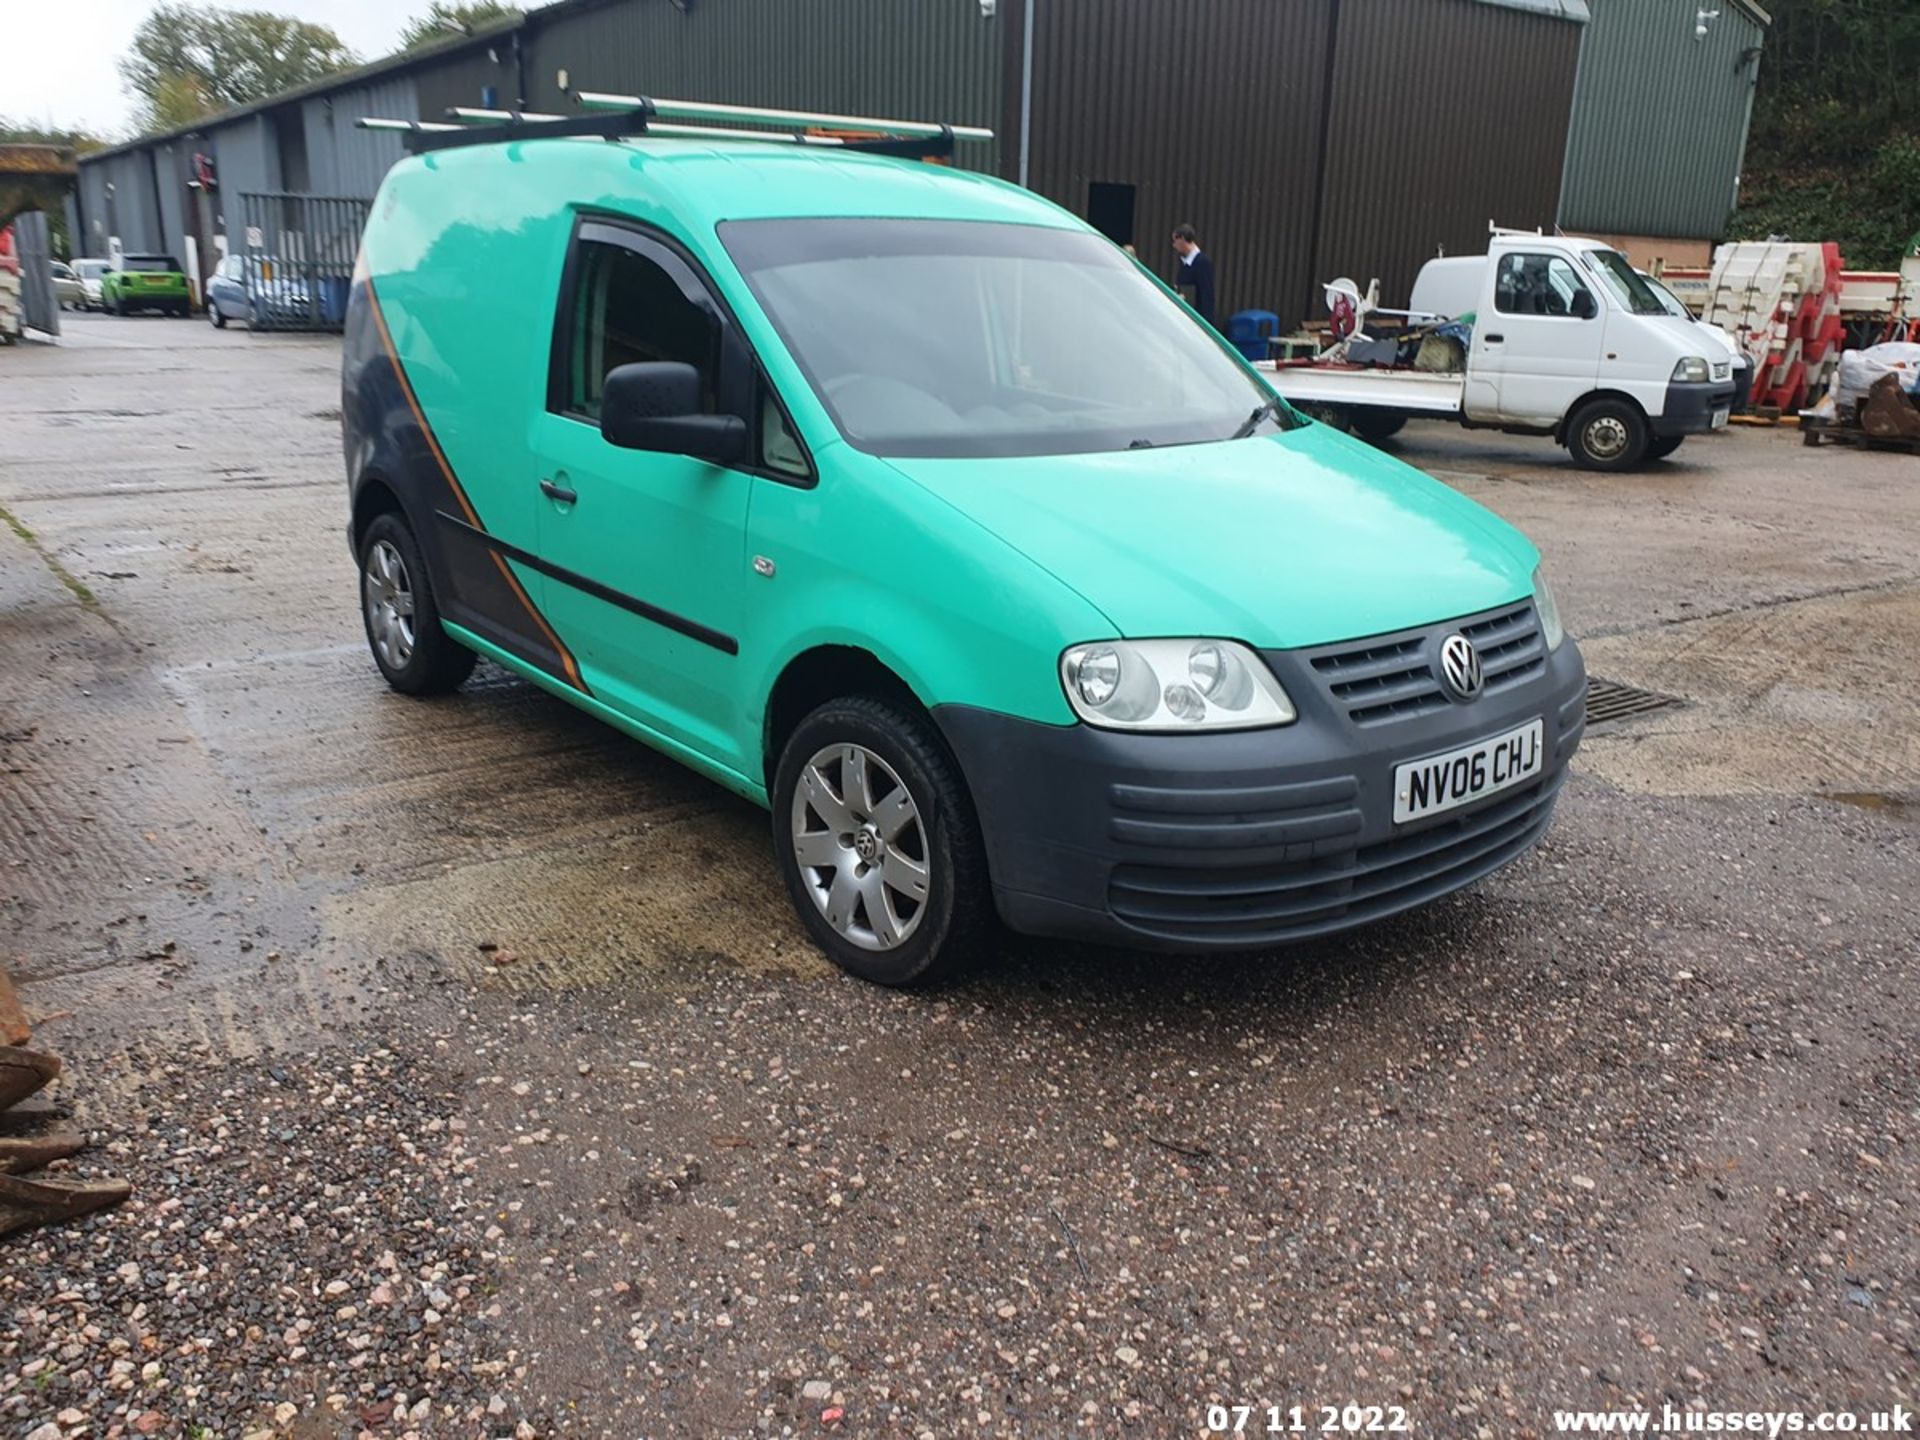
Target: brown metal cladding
{"points": [[1210, 108], [1446, 114]]}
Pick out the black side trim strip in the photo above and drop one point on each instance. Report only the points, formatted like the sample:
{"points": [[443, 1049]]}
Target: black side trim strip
{"points": [[692, 629]]}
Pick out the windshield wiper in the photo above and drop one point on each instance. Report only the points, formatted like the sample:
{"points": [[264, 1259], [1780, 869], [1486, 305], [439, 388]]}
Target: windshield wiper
{"points": [[1141, 444], [1273, 405]]}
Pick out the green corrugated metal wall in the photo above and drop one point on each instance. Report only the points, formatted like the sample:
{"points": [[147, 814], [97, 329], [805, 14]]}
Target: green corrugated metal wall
{"points": [[1659, 118]]}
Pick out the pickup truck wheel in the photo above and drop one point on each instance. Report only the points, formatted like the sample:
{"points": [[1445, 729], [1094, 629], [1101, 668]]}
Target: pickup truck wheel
{"points": [[1607, 435], [1660, 447], [878, 844], [403, 622], [1338, 417], [1373, 424]]}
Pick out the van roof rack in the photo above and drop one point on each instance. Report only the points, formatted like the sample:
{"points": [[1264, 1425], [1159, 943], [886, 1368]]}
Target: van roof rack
{"points": [[615, 117]]}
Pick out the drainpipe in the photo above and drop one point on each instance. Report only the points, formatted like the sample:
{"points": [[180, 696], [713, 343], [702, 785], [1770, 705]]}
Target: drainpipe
{"points": [[1026, 87]]}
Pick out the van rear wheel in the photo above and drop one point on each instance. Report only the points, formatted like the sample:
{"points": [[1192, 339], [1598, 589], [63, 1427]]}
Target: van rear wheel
{"points": [[402, 620], [1607, 434], [878, 844]]}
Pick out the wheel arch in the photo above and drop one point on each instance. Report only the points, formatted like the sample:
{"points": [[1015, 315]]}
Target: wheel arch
{"points": [[819, 674], [1561, 430], [373, 497]]}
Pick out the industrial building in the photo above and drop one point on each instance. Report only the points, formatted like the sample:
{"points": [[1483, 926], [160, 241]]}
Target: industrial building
{"points": [[1304, 138], [1659, 132]]}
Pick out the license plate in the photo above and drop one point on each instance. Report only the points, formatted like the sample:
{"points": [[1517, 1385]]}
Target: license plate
{"points": [[1458, 777], [1720, 417], [158, 280]]}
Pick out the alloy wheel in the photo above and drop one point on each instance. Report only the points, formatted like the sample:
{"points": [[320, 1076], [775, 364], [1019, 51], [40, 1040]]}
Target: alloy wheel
{"points": [[861, 846], [387, 592]]}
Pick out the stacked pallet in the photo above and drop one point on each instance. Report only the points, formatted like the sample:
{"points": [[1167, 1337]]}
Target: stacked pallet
{"points": [[10, 312], [1780, 300]]}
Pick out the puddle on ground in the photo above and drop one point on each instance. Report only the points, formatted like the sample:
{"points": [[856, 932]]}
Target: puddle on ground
{"points": [[1897, 807]]}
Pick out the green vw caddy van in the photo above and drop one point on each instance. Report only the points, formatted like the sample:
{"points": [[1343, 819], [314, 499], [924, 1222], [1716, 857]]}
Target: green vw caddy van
{"points": [[901, 502]]}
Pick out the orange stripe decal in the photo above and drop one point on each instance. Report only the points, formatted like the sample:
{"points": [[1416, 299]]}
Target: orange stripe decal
{"points": [[453, 483]]}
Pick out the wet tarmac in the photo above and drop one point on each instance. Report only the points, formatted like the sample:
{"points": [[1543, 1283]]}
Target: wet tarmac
{"points": [[1632, 1122]]}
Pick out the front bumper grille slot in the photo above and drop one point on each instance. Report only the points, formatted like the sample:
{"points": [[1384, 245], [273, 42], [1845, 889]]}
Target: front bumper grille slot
{"points": [[1267, 903]]}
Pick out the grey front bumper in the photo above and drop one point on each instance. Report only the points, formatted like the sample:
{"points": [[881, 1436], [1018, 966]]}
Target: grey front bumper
{"points": [[1241, 840], [1691, 406]]}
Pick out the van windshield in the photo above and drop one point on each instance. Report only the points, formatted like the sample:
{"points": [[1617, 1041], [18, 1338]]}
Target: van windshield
{"points": [[970, 338], [1616, 272]]}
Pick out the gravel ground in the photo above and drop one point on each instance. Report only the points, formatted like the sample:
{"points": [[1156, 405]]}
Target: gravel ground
{"points": [[474, 1079], [301, 1254]]}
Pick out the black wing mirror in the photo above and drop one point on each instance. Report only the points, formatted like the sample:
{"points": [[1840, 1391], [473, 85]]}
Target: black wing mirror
{"points": [[656, 406], [1583, 307]]}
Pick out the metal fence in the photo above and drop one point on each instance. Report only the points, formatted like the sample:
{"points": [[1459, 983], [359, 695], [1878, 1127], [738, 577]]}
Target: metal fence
{"points": [[33, 239], [299, 252]]}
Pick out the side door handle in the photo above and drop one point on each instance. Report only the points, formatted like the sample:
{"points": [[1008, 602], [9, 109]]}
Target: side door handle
{"points": [[558, 492], [1495, 339]]}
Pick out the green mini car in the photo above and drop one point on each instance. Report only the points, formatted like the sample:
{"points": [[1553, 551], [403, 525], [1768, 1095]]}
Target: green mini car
{"points": [[899, 501], [145, 282]]}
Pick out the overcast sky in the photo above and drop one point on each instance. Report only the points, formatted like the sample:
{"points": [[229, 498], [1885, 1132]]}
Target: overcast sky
{"points": [[56, 59]]}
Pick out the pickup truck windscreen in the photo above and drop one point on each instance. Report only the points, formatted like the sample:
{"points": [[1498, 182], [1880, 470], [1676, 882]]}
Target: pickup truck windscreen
{"points": [[1616, 272], [970, 338]]}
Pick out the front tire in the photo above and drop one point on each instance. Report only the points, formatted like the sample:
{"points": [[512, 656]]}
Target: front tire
{"points": [[215, 317], [402, 619], [1607, 434], [877, 841]]}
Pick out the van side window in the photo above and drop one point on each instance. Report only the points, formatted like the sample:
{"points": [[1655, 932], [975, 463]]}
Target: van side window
{"points": [[1538, 285], [626, 310], [780, 450]]}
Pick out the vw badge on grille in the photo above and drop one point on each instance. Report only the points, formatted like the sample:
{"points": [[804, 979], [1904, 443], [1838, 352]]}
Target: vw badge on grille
{"points": [[1460, 667]]}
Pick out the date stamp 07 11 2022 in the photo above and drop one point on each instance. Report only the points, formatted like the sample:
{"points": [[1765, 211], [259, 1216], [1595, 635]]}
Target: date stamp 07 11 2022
{"points": [[1308, 1420]]}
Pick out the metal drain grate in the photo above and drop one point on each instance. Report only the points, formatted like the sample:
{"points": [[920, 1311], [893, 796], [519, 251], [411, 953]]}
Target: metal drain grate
{"points": [[1610, 700]]}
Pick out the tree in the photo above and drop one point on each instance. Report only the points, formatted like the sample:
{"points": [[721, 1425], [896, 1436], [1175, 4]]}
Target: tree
{"points": [[1834, 151], [188, 60], [443, 20], [21, 132]]}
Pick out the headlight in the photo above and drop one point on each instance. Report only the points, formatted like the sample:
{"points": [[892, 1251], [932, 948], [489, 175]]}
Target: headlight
{"points": [[1170, 685], [1693, 368], [1548, 609]]}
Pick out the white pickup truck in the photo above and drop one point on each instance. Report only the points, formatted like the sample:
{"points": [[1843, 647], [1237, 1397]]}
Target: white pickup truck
{"points": [[1568, 340]]}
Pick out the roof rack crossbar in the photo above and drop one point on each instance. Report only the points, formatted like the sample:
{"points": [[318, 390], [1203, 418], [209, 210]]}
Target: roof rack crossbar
{"points": [[478, 127], [619, 116], [467, 116], [754, 115]]}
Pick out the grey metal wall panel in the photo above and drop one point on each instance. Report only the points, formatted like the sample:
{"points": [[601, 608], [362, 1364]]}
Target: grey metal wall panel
{"points": [[918, 59], [342, 159], [1446, 114], [171, 162], [247, 158], [1660, 117], [1211, 109], [121, 198], [462, 79]]}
